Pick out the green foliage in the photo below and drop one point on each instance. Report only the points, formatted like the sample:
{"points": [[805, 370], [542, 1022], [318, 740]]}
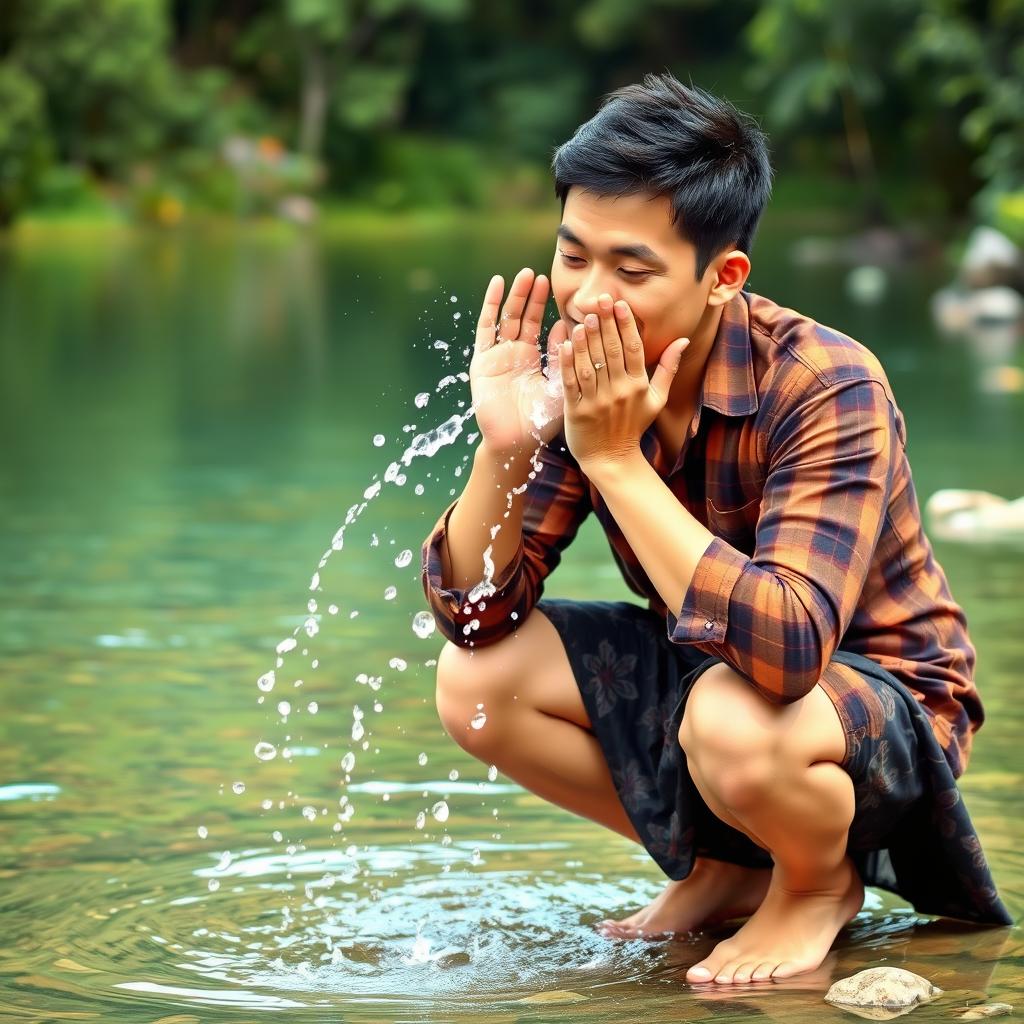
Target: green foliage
{"points": [[427, 102], [24, 140], [975, 53]]}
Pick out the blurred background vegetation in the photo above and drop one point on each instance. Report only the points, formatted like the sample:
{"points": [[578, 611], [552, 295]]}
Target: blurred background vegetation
{"points": [[166, 110]]}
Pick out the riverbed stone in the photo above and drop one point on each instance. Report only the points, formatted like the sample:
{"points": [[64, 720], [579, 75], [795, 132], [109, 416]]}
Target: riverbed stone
{"points": [[882, 988]]}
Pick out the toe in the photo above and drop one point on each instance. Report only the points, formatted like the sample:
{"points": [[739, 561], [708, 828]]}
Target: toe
{"points": [[726, 973], [743, 973], [763, 972], [787, 969], [709, 968]]}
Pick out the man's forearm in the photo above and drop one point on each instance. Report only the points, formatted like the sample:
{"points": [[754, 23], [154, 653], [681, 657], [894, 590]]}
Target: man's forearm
{"points": [[481, 507], [666, 539]]}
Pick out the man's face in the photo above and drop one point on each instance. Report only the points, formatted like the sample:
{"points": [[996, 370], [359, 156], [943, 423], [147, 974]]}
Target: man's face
{"points": [[629, 248]]}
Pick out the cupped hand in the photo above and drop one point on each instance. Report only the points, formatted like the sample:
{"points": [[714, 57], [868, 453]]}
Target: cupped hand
{"points": [[517, 403]]}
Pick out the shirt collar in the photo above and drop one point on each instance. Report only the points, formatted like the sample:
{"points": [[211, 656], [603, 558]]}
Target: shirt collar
{"points": [[729, 384]]}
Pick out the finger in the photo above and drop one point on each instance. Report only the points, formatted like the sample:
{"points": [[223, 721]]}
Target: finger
{"points": [[512, 312], [595, 348], [567, 367], [610, 340], [632, 343], [583, 362], [665, 371], [556, 336], [538, 299], [485, 335]]}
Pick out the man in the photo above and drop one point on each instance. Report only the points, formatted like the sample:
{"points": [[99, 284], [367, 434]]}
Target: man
{"points": [[785, 721]]}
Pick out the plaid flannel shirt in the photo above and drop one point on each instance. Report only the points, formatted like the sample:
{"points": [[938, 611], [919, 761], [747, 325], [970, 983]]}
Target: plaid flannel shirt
{"points": [[795, 460]]}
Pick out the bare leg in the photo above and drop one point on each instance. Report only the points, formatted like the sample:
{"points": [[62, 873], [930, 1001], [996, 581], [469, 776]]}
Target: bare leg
{"points": [[537, 732], [776, 771]]}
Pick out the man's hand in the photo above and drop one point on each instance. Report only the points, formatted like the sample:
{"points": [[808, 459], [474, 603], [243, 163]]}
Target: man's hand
{"points": [[609, 400], [516, 404]]}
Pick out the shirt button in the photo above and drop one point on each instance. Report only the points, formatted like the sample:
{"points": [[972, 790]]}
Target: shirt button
{"points": [[709, 625]]}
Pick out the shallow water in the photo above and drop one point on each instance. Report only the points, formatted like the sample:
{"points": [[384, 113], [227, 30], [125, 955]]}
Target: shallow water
{"points": [[184, 423]]}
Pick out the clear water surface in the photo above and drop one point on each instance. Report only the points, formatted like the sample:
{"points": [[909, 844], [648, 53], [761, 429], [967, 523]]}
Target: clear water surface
{"points": [[184, 422]]}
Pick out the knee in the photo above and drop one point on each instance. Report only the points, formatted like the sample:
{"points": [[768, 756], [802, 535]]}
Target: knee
{"points": [[727, 738], [469, 697]]}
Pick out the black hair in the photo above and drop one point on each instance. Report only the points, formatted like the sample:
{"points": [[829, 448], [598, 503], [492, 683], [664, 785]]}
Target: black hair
{"points": [[669, 139]]}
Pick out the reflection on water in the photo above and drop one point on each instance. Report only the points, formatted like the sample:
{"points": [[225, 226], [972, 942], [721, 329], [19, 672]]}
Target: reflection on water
{"points": [[184, 424]]}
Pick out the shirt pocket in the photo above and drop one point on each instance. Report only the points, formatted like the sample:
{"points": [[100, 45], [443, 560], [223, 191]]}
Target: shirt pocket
{"points": [[736, 526]]}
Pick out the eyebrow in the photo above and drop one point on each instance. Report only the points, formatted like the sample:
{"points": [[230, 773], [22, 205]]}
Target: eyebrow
{"points": [[637, 249]]}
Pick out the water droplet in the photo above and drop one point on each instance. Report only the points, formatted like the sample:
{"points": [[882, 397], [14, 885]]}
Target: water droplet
{"points": [[404, 559], [455, 316], [266, 681], [213, 885], [479, 720], [421, 399], [353, 614], [265, 751], [475, 857], [423, 624], [338, 540], [238, 788], [332, 609], [377, 706], [311, 605], [453, 298], [399, 664], [421, 820], [315, 581], [276, 836], [422, 759], [492, 772], [418, 488], [440, 811], [348, 762], [390, 593], [372, 491], [225, 861], [283, 708], [453, 774], [202, 831], [357, 730], [309, 813], [312, 707], [378, 440], [311, 626], [287, 645]]}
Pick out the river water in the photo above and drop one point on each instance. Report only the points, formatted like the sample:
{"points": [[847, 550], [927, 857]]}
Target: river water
{"points": [[185, 421]]}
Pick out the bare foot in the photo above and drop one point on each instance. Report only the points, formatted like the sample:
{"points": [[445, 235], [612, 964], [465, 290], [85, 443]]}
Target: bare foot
{"points": [[713, 891], [790, 933]]}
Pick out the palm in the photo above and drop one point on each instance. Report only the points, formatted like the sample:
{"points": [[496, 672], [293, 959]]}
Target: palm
{"points": [[515, 403]]}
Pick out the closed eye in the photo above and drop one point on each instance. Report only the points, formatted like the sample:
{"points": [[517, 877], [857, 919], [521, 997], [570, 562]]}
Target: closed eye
{"points": [[576, 261]]}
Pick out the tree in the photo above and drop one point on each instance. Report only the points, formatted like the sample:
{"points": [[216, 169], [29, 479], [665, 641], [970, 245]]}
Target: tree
{"points": [[25, 143]]}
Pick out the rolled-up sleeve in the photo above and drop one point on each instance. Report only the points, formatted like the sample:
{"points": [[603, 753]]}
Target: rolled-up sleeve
{"points": [[555, 503], [778, 616]]}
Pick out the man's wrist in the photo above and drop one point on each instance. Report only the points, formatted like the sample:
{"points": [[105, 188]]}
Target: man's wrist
{"points": [[609, 470], [511, 469]]}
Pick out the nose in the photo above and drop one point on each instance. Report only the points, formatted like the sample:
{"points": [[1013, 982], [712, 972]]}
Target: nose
{"points": [[591, 287]]}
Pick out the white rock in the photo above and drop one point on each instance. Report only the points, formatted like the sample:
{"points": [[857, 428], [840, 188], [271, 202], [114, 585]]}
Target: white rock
{"points": [[884, 989], [988, 249], [998, 304]]}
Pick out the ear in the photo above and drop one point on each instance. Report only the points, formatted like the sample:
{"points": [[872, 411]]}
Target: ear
{"points": [[730, 271]]}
